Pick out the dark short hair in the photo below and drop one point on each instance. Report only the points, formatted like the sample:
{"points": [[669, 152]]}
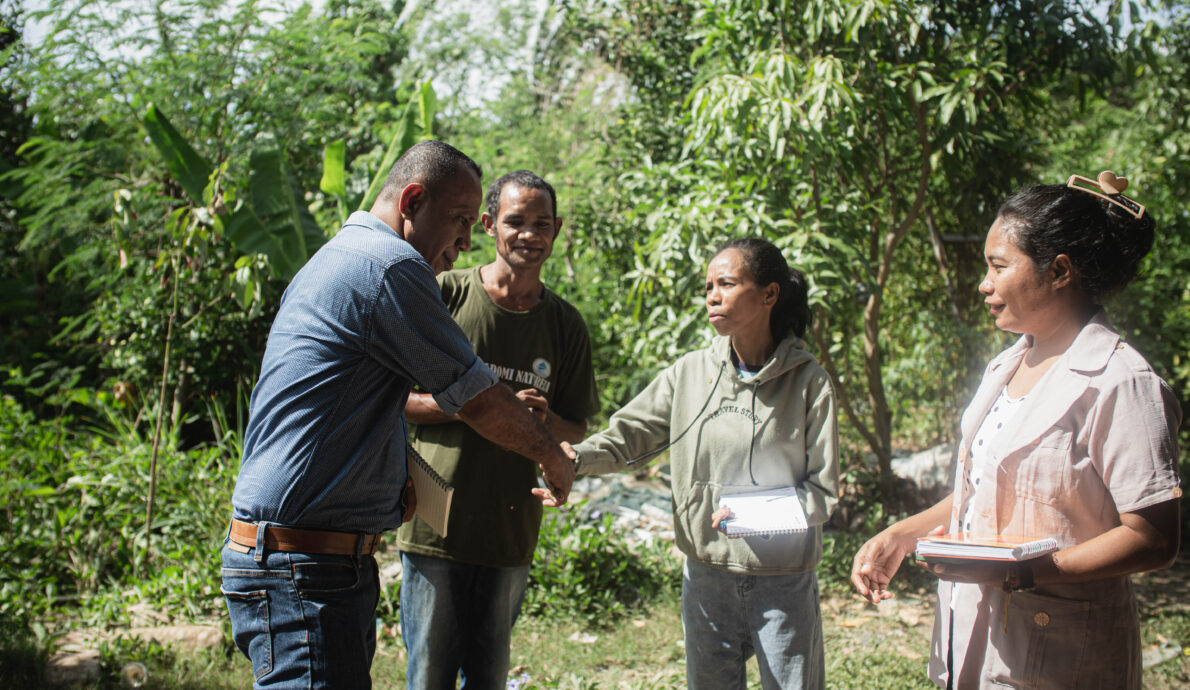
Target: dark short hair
{"points": [[767, 265], [1104, 242], [427, 162], [526, 179]]}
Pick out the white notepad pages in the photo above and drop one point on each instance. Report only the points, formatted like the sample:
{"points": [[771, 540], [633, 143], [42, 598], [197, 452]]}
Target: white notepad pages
{"points": [[768, 511], [945, 548]]}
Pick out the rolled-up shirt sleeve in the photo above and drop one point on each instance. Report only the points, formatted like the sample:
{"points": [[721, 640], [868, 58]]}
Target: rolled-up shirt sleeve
{"points": [[1134, 442], [478, 379], [414, 334]]}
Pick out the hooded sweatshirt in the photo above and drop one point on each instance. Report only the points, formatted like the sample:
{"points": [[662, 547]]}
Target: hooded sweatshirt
{"points": [[728, 435]]}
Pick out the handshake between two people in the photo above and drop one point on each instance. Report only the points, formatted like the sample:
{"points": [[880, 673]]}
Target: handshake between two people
{"points": [[522, 422], [559, 475]]}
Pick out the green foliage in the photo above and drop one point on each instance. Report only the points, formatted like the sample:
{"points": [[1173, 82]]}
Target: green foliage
{"points": [[853, 135], [864, 509], [260, 92], [1154, 311], [22, 656], [415, 124], [1171, 627], [584, 570], [73, 527], [128, 659], [274, 222]]}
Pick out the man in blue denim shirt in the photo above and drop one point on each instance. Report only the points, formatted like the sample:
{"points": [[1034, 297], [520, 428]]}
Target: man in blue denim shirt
{"points": [[324, 468]]}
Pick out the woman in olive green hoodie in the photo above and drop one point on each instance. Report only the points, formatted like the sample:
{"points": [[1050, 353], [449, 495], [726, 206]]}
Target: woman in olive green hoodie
{"points": [[752, 411]]}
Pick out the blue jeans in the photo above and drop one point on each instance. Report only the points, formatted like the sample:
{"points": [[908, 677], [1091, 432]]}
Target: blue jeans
{"points": [[304, 620], [728, 617], [456, 619]]}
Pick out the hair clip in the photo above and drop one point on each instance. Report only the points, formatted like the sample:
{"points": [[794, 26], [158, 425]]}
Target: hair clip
{"points": [[1108, 187]]}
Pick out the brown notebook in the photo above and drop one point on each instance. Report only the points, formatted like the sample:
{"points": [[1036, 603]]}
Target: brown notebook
{"points": [[433, 492]]}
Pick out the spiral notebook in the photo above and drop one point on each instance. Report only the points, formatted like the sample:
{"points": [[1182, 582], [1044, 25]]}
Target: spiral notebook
{"points": [[434, 493], [956, 548], [769, 511]]}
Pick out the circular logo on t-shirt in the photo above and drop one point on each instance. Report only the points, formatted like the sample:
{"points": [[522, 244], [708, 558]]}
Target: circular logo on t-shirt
{"points": [[541, 368]]}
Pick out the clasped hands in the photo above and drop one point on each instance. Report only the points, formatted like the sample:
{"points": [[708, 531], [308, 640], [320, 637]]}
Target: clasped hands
{"points": [[559, 476]]}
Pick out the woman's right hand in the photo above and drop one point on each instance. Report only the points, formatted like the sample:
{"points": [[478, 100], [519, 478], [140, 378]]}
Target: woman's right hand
{"points": [[878, 560]]}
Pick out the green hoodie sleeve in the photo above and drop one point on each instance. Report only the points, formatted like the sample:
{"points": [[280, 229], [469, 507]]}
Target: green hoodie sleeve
{"points": [[822, 453], [635, 433]]}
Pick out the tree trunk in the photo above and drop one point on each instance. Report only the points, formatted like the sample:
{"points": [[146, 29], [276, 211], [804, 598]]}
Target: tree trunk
{"points": [[944, 268]]}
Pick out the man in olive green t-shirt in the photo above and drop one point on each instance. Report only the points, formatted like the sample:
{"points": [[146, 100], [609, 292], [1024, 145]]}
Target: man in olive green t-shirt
{"points": [[460, 595]]}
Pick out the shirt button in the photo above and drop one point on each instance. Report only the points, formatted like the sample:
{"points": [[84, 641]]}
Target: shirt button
{"points": [[1041, 618]]}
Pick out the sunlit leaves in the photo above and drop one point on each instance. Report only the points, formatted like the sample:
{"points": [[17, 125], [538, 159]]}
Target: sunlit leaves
{"points": [[836, 128]]}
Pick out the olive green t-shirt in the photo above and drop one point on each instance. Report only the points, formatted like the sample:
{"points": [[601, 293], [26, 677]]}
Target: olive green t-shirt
{"points": [[494, 518]]}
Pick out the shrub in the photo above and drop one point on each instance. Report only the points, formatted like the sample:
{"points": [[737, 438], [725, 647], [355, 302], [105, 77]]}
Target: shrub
{"points": [[585, 569], [74, 518]]}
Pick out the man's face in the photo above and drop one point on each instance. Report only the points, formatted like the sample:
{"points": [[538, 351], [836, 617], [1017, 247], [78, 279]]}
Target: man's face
{"points": [[440, 228], [526, 227]]}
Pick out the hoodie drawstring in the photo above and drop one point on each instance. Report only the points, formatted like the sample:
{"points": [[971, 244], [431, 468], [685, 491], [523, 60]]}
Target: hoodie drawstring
{"points": [[752, 440], [689, 426]]}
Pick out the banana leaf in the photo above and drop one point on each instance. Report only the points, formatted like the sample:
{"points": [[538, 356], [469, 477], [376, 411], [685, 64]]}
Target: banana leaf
{"points": [[416, 124], [334, 169], [277, 201], [275, 221], [190, 169], [334, 175]]}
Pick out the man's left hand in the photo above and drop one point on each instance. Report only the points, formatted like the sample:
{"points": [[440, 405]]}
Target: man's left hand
{"points": [[410, 497]]}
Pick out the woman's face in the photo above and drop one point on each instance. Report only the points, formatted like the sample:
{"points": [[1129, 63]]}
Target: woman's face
{"points": [[1019, 295], [736, 305]]}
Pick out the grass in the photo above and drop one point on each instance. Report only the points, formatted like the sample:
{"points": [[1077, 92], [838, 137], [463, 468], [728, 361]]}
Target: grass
{"points": [[600, 614], [866, 647]]}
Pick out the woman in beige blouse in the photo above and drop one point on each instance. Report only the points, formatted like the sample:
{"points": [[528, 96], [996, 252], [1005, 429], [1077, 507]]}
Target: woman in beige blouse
{"points": [[1071, 435]]}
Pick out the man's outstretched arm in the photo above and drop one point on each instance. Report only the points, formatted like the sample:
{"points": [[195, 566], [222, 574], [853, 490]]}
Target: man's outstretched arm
{"points": [[502, 418]]}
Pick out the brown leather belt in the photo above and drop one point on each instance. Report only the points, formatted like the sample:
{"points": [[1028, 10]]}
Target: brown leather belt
{"points": [[290, 539]]}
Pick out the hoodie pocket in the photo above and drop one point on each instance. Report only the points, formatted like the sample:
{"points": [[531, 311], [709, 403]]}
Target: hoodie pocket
{"points": [[779, 553]]}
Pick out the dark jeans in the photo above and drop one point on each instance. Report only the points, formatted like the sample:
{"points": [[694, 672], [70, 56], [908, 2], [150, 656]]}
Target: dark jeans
{"points": [[305, 620]]}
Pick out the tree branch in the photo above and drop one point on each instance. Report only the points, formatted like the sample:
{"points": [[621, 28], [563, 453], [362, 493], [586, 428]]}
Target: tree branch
{"points": [[817, 329]]}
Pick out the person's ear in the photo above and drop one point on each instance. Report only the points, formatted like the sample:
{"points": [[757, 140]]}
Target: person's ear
{"points": [[557, 227], [1061, 271], [489, 224], [413, 198], [771, 292]]}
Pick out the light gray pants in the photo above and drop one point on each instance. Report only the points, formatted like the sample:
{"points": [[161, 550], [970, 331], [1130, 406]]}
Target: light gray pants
{"points": [[728, 617]]}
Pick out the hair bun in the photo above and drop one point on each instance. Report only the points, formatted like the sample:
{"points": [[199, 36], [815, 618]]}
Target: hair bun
{"points": [[1104, 238]]}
